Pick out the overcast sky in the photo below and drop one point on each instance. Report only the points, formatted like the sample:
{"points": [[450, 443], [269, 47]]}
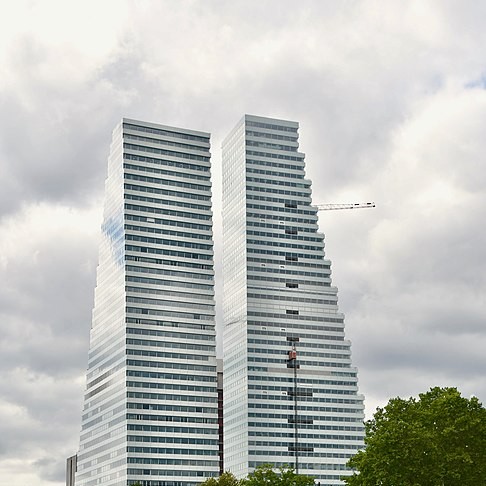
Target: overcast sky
{"points": [[391, 100]]}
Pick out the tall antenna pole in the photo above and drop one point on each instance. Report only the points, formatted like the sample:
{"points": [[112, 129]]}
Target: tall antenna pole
{"points": [[296, 431], [293, 361]]}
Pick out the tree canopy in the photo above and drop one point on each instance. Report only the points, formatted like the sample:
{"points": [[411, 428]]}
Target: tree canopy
{"points": [[438, 439], [263, 476], [266, 476], [226, 479]]}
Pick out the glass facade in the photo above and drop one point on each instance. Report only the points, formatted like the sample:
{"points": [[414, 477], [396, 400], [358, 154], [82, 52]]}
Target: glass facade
{"points": [[151, 402], [290, 390]]}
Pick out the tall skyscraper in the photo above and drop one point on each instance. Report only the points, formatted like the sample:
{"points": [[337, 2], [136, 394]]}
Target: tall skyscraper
{"points": [[291, 393], [151, 402]]}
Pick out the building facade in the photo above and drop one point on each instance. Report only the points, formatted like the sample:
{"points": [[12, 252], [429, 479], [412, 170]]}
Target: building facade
{"points": [[151, 403], [290, 390], [71, 470]]}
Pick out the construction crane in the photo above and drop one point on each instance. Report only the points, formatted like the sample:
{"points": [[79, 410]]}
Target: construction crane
{"points": [[292, 354], [331, 207]]}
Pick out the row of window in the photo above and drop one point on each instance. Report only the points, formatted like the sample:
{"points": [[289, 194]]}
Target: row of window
{"points": [[288, 281], [168, 163], [172, 345], [278, 182], [101, 408], [288, 256], [302, 380], [106, 374], [301, 362], [106, 351], [275, 191], [173, 173], [171, 376], [266, 209], [303, 453], [181, 336], [304, 419], [176, 462], [172, 418], [318, 345], [267, 350], [127, 136], [172, 263], [164, 451], [289, 229], [167, 202], [172, 430], [289, 233], [289, 424], [168, 182], [99, 450], [293, 316], [170, 153], [169, 222], [99, 389], [274, 173], [171, 440], [153, 482], [284, 271], [171, 293], [165, 133], [290, 298], [284, 333], [274, 136], [170, 303], [165, 231], [167, 212], [169, 365], [168, 397], [271, 146], [172, 472], [281, 218], [290, 435], [171, 408], [313, 444], [164, 354], [271, 163], [102, 438], [168, 283], [162, 271], [304, 396], [165, 313], [269, 155], [101, 418], [270, 126], [180, 325]]}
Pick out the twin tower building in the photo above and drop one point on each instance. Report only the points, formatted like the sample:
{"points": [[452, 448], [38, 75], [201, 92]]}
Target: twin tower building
{"points": [[151, 403]]}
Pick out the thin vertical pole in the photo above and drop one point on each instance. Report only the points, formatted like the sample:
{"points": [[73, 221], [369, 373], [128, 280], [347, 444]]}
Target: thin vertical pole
{"points": [[296, 427]]}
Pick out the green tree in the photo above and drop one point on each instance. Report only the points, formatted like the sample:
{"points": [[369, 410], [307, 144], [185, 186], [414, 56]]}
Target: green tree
{"points": [[266, 476], [436, 440], [226, 479]]}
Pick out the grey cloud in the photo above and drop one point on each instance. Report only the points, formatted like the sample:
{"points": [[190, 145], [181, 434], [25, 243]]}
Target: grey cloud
{"points": [[51, 469]]}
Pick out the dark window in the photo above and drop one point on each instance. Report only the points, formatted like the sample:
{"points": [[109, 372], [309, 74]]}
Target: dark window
{"points": [[291, 258]]}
